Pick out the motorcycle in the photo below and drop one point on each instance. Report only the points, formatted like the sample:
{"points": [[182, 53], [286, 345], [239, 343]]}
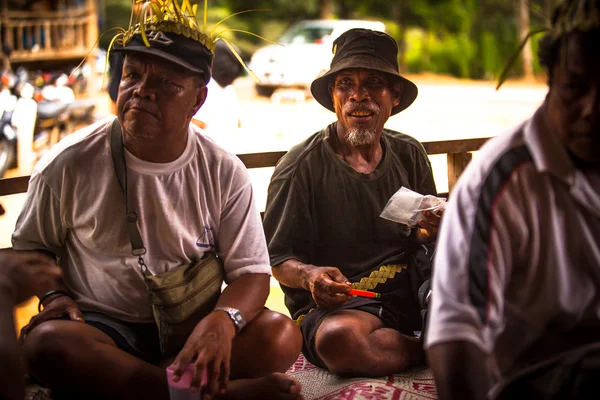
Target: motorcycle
{"points": [[8, 133], [55, 111], [23, 118]]}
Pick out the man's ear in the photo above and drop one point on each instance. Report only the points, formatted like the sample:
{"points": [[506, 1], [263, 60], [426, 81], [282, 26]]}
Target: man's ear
{"points": [[201, 92], [397, 89]]}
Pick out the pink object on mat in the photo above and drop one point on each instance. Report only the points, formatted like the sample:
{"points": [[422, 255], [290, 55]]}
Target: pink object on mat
{"points": [[186, 378]]}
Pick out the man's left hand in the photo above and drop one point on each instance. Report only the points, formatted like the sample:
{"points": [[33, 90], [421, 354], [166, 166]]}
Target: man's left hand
{"points": [[429, 225], [208, 348]]}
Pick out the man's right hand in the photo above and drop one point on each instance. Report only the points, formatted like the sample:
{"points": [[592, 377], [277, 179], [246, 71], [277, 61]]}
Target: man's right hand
{"points": [[329, 287], [25, 274], [55, 307]]}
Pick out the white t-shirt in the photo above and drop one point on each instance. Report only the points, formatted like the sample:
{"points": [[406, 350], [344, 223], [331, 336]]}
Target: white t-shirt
{"points": [[518, 257], [76, 209], [220, 112]]}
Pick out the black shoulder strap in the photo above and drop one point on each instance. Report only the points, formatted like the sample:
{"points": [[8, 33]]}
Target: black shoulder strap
{"points": [[118, 157]]}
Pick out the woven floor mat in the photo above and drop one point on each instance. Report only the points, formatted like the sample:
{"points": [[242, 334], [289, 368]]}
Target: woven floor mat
{"points": [[415, 384]]}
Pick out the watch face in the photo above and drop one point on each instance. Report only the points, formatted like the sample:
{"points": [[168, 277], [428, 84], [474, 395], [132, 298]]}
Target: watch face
{"points": [[238, 317]]}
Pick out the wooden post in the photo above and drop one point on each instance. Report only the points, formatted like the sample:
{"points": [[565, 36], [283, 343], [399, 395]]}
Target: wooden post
{"points": [[47, 35], [457, 162], [19, 42], [79, 31], [92, 29], [9, 31], [37, 34], [91, 38]]}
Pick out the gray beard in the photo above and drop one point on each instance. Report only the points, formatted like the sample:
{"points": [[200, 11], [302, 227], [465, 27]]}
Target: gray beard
{"points": [[360, 137]]}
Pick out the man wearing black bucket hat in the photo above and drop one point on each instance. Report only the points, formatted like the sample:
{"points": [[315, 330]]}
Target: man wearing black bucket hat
{"points": [[322, 218], [126, 205], [515, 309]]}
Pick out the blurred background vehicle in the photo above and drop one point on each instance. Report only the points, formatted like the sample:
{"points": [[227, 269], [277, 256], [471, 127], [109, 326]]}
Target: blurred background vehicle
{"points": [[42, 103], [303, 54]]}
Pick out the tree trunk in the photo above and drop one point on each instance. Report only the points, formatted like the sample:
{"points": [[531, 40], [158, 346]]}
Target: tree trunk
{"points": [[325, 9], [344, 9], [397, 17], [549, 6], [523, 26]]}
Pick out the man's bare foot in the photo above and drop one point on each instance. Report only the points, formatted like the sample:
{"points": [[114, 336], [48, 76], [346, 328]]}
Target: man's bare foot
{"points": [[276, 386]]}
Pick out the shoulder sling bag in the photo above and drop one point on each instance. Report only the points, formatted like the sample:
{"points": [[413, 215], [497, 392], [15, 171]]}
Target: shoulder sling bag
{"points": [[181, 297]]}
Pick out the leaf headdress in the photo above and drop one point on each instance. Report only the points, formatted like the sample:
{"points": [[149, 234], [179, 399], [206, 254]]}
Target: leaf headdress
{"points": [[569, 16], [176, 17]]}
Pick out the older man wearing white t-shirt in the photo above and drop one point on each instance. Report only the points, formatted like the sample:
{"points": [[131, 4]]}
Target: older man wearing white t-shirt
{"points": [[152, 173]]}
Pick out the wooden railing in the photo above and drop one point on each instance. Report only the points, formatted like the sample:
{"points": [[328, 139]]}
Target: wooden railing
{"points": [[51, 35], [458, 153]]}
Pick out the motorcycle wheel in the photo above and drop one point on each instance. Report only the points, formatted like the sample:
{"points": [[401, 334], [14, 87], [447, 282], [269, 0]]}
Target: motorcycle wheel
{"points": [[7, 155]]}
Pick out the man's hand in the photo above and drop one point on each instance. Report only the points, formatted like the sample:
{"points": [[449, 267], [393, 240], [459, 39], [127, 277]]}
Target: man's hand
{"points": [[328, 286], [429, 225], [208, 348], [55, 307], [25, 274]]}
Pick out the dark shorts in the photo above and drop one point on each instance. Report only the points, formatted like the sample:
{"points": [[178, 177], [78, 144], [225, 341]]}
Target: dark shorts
{"points": [[390, 314], [574, 375], [139, 340]]}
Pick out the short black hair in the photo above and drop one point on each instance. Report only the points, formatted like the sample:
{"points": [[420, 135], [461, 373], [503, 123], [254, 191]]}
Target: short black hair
{"points": [[549, 50], [226, 67]]}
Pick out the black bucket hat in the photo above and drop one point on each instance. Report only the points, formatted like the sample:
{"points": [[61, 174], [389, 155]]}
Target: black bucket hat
{"points": [[365, 49], [188, 53]]}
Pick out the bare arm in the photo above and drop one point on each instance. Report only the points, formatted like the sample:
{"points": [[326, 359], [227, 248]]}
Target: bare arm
{"points": [[22, 274], [328, 286], [248, 294], [12, 384], [293, 273], [460, 371]]}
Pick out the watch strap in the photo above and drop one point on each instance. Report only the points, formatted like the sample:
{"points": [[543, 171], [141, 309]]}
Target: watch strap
{"points": [[235, 315]]}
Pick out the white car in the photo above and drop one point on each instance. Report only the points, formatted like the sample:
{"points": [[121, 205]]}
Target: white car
{"points": [[305, 55]]}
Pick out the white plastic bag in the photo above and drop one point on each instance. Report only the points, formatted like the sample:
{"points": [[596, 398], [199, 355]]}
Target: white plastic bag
{"points": [[406, 207]]}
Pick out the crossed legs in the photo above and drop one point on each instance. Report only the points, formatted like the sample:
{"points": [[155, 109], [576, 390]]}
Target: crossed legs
{"points": [[77, 358], [356, 343]]}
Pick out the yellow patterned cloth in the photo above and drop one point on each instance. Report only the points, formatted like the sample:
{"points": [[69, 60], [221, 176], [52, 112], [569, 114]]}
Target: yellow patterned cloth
{"points": [[379, 276], [370, 282]]}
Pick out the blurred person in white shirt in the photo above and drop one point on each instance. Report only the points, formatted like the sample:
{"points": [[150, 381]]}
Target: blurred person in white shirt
{"points": [[219, 117]]}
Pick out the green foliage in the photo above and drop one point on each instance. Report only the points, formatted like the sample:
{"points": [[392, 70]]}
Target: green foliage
{"points": [[117, 15], [490, 55], [451, 54], [466, 38]]}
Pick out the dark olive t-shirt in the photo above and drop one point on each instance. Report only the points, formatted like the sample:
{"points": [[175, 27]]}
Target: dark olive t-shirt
{"points": [[322, 212]]}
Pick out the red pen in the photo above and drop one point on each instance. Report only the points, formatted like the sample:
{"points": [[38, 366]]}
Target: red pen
{"points": [[364, 293]]}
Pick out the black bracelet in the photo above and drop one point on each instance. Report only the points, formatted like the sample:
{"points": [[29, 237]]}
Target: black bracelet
{"points": [[51, 293]]}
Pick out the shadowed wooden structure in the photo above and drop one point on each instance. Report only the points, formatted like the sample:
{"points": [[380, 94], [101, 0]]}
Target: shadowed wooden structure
{"points": [[41, 30], [458, 153]]}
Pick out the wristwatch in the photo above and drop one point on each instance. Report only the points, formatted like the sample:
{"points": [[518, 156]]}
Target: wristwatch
{"points": [[236, 317]]}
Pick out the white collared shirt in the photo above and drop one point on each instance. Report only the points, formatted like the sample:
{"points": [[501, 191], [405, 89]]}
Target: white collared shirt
{"points": [[518, 256]]}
